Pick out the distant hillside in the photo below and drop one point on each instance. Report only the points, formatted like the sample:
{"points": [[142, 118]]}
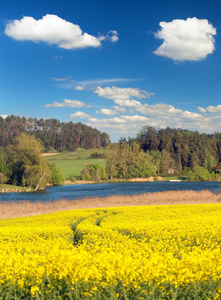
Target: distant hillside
{"points": [[55, 135]]}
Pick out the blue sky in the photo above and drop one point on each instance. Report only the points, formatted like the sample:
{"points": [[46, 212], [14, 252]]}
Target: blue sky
{"points": [[114, 65]]}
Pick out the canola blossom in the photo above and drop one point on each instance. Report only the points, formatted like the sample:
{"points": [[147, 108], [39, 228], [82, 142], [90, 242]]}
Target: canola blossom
{"points": [[155, 252]]}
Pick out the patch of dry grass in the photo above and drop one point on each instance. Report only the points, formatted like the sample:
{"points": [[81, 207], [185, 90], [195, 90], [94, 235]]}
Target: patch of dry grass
{"points": [[12, 209]]}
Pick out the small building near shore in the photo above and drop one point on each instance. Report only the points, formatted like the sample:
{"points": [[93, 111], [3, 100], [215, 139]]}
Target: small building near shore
{"points": [[171, 171]]}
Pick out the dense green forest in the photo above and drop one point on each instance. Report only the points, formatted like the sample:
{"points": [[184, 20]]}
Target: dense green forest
{"points": [[182, 148], [165, 152], [55, 135]]}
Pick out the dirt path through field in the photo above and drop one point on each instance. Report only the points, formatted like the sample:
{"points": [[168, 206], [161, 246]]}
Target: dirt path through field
{"points": [[49, 154], [26, 208]]}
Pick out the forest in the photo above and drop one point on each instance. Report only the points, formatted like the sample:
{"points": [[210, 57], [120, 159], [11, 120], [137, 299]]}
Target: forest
{"points": [[182, 148], [153, 152], [161, 152], [54, 135], [166, 152]]}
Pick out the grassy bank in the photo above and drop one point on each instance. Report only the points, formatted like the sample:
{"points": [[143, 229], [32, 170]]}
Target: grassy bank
{"points": [[8, 188]]}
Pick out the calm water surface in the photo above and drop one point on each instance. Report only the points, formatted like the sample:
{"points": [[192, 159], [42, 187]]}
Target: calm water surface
{"points": [[78, 191]]}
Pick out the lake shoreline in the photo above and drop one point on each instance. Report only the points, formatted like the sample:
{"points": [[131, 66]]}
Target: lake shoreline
{"points": [[18, 189], [8, 189], [24, 208]]}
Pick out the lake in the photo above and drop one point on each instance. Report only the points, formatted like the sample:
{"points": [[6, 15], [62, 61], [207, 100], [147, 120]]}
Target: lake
{"points": [[78, 191]]}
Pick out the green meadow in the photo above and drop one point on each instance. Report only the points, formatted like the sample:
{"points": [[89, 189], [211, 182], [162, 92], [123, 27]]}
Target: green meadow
{"points": [[71, 163]]}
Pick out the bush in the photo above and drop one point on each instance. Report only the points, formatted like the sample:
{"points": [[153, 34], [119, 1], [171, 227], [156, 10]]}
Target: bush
{"points": [[55, 175], [96, 155], [198, 174], [93, 172], [72, 178]]}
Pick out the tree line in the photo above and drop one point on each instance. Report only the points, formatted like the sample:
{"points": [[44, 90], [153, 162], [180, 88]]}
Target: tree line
{"points": [[53, 134], [182, 149], [163, 152]]}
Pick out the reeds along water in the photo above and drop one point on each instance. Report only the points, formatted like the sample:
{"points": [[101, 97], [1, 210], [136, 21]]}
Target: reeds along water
{"points": [[12, 209]]}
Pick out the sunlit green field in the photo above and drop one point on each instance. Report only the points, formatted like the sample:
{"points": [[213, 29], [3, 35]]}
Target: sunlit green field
{"points": [[71, 163], [13, 188], [158, 252]]}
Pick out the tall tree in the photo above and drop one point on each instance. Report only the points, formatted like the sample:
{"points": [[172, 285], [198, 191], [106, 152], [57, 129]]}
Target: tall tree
{"points": [[111, 154], [27, 165]]}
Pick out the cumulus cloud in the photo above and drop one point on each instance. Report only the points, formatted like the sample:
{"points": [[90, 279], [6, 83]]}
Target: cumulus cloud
{"points": [[128, 103], [112, 36], [201, 109], [167, 111], [116, 93], [119, 120], [126, 125], [53, 30], [80, 115], [158, 109], [211, 109], [190, 39], [107, 112], [4, 116], [68, 103], [80, 87], [120, 109], [191, 115], [214, 109]]}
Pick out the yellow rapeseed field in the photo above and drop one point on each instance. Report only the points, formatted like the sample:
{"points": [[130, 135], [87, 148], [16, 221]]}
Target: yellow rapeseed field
{"points": [[155, 252]]}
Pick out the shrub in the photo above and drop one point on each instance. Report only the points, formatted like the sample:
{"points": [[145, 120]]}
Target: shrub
{"points": [[93, 172], [97, 155], [55, 175]]}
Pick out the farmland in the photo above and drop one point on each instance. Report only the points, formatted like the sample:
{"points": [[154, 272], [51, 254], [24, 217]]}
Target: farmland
{"points": [[151, 252], [71, 163]]}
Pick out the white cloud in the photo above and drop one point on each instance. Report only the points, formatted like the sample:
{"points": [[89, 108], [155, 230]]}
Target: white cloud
{"points": [[58, 57], [127, 103], [80, 88], [80, 115], [201, 109], [61, 79], [123, 125], [120, 120], [211, 109], [135, 118], [68, 103], [191, 115], [107, 112], [117, 120], [69, 83], [4, 116], [112, 36], [120, 109], [214, 109], [101, 81], [116, 93], [158, 109], [52, 30], [190, 39]]}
